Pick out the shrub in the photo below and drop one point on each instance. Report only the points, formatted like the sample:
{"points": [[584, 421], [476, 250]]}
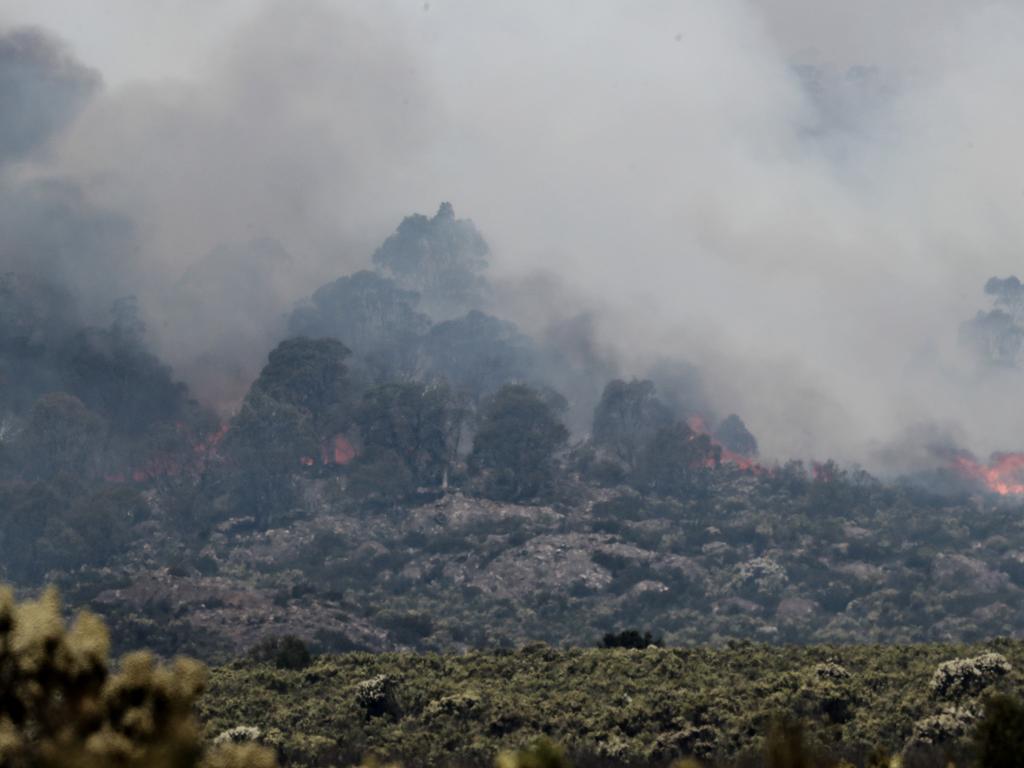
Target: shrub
{"points": [[287, 652], [377, 697], [630, 638], [999, 737], [60, 704], [543, 753], [968, 677]]}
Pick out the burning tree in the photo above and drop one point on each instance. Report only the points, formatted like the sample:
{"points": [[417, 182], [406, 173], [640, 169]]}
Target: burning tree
{"points": [[294, 411], [311, 375], [674, 461], [732, 434]]}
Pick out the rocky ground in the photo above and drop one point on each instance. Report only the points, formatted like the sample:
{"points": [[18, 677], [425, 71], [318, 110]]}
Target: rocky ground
{"points": [[750, 559]]}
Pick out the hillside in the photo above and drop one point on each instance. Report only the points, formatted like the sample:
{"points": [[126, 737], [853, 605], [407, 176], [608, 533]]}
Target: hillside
{"points": [[779, 557]]}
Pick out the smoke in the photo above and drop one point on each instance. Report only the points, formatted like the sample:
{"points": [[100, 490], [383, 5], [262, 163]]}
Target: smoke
{"points": [[48, 227], [801, 201], [41, 88]]}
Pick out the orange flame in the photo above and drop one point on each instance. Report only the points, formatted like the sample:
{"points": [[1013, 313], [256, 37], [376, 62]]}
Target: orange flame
{"points": [[338, 450], [212, 440], [698, 425], [1004, 474]]}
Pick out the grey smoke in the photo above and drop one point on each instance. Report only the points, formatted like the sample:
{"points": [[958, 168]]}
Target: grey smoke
{"points": [[802, 200], [42, 88], [49, 227]]}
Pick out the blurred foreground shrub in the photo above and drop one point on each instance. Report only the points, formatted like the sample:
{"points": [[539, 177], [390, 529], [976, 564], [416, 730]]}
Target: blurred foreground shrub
{"points": [[61, 705]]}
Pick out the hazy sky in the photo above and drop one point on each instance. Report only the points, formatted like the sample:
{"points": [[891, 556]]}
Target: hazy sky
{"points": [[804, 197], [146, 39], [136, 39]]}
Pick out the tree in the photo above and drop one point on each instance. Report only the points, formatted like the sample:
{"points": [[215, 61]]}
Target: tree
{"points": [[380, 478], [674, 460], [61, 435], [994, 337], [61, 525], [301, 399], [997, 336], [1008, 293], [35, 317], [626, 418], [442, 258], [420, 424], [60, 705], [310, 375], [94, 529], [25, 512], [265, 446], [476, 354], [515, 445], [376, 318], [734, 436], [112, 372]]}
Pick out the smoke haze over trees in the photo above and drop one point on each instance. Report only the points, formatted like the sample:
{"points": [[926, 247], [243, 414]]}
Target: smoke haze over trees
{"points": [[448, 326], [790, 200]]}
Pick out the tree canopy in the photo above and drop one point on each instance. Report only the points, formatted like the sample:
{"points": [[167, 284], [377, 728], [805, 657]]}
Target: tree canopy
{"points": [[627, 417], [442, 258], [515, 445], [674, 460], [419, 424], [476, 354], [372, 315], [310, 375]]}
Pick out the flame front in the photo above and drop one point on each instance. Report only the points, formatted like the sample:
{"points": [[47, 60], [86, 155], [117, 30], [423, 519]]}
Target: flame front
{"points": [[699, 426], [1004, 473]]}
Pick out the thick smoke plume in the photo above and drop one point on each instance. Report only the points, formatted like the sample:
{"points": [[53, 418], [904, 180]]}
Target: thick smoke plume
{"points": [[797, 207]]}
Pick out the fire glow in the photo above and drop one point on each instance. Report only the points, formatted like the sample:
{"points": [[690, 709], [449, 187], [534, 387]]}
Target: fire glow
{"points": [[1004, 473], [337, 451], [697, 424]]}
